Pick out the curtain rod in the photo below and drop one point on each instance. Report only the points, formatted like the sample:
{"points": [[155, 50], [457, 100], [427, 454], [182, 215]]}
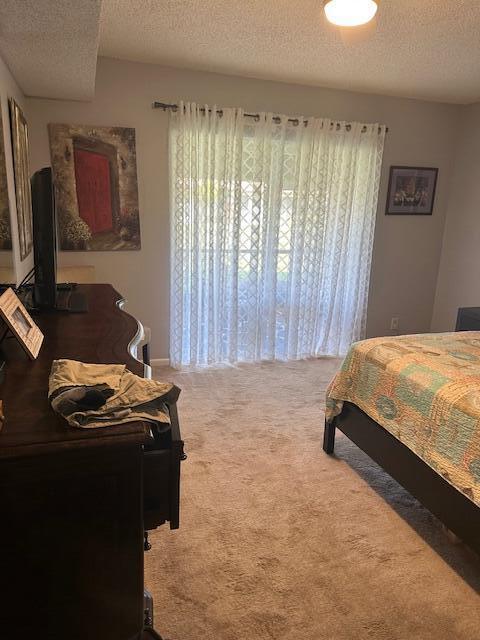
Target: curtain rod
{"points": [[295, 121]]}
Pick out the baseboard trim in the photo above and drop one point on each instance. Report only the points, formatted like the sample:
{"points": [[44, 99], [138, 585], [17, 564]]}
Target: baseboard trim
{"points": [[160, 362]]}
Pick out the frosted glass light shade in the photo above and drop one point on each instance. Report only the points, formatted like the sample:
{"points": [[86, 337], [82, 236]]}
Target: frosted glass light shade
{"points": [[350, 13]]}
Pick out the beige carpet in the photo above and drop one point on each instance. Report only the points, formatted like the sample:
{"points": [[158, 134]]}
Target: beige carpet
{"points": [[279, 541]]}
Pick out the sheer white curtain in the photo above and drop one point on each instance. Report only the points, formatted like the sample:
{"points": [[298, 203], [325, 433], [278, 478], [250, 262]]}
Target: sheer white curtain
{"points": [[271, 235]]}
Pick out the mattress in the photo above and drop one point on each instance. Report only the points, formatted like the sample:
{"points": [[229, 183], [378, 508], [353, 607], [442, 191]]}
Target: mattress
{"points": [[424, 390]]}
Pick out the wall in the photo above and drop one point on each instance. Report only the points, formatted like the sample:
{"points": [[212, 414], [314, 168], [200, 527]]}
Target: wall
{"points": [[10, 89], [459, 274], [407, 248]]}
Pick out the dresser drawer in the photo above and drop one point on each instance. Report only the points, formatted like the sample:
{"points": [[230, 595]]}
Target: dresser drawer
{"points": [[161, 476]]}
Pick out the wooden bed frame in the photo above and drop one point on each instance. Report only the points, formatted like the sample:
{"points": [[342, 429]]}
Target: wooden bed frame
{"points": [[457, 512]]}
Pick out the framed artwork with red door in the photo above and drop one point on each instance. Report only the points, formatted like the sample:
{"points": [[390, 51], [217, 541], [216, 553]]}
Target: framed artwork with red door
{"points": [[96, 192]]}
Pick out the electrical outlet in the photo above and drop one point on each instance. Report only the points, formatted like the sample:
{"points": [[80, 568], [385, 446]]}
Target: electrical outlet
{"points": [[394, 323]]}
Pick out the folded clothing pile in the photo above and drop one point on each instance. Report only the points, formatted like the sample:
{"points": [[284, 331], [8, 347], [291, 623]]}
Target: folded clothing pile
{"points": [[99, 395]]}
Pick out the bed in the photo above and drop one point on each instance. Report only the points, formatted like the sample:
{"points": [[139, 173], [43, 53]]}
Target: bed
{"points": [[412, 403]]}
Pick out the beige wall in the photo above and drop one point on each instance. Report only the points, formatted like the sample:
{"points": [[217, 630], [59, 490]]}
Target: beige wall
{"points": [[459, 274], [407, 248], [10, 89]]}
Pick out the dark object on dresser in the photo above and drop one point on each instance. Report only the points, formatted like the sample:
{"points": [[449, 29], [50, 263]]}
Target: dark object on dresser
{"points": [[468, 319], [75, 502], [44, 239], [46, 293]]}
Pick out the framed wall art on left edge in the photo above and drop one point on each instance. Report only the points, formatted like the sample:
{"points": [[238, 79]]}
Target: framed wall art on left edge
{"points": [[20, 323], [18, 125]]}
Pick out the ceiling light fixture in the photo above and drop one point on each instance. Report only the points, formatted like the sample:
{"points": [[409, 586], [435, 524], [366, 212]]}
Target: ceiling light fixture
{"points": [[350, 13]]}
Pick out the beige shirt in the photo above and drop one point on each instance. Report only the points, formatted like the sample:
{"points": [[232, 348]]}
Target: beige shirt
{"points": [[99, 395]]}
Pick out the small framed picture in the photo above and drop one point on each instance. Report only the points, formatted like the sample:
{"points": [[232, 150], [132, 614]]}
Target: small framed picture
{"points": [[411, 191], [20, 323]]}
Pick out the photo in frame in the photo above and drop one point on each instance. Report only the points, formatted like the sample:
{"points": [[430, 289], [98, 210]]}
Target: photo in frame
{"points": [[20, 323], [18, 126], [411, 191]]}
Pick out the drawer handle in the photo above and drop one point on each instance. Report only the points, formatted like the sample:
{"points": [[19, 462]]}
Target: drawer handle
{"points": [[183, 456]]}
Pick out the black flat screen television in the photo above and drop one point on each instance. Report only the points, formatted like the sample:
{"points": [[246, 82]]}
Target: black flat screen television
{"points": [[47, 294], [44, 239]]}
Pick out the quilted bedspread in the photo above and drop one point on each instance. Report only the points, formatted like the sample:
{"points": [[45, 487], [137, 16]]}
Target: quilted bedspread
{"points": [[425, 390]]}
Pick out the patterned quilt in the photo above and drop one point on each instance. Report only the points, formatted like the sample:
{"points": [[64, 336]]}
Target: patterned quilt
{"points": [[425, 390]]}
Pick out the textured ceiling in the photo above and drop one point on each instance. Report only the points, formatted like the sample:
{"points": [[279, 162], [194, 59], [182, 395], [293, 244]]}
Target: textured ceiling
{"points": [[416, 48], [50, 46]]}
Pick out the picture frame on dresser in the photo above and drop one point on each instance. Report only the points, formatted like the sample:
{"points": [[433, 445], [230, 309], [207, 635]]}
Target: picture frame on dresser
{"points": [[20, 323]]}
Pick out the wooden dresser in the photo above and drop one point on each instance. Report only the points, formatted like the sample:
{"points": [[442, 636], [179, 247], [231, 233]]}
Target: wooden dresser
{"points": [[75, 502]]}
